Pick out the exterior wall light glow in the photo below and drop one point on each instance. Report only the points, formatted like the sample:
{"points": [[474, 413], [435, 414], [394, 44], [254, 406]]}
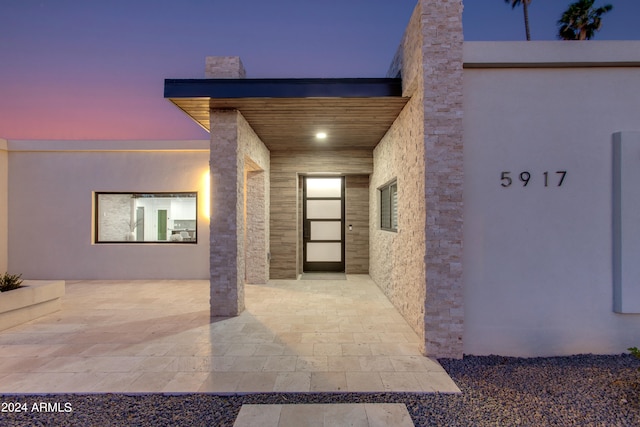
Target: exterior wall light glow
{"points": [[206, 187], [321, 135]]}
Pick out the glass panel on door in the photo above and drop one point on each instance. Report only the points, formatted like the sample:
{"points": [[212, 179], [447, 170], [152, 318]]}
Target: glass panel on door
{"points": [[326, 230], [324, 209], [324, 187], [323, 252]]}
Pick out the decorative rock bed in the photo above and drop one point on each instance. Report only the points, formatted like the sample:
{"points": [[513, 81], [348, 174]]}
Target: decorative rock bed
{"points": [[35, 298]]}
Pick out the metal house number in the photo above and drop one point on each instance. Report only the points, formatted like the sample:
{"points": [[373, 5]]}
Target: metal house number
{"points": [[525, 177]]}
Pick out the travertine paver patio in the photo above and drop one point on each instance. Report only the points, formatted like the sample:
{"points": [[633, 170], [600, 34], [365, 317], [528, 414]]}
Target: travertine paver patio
{"points": [[156, 336], [357, 415]]}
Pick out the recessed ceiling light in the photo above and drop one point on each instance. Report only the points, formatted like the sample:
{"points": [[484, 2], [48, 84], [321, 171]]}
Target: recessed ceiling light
{"points": [[321, 135]]}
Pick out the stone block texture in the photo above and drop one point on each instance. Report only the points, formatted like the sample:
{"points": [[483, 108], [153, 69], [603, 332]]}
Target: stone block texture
{"points": [[407, 62], [256, 230], [286, 196], [239, 164], [419, 268], [224, 67], [255, 158], [227, 286], [397, 258], [442, 52]]}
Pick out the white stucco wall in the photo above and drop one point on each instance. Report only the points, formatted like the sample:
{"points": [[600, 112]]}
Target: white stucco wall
{"points": [[4, 182], [51, 207], [626, 224], [538, 260]]}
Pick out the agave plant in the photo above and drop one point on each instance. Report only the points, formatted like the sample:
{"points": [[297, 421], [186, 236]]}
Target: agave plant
{"points": [[9, 282], [635, 352]]}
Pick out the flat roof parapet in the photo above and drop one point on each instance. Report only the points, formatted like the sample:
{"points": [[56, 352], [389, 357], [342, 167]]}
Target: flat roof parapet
{"points": [[552, 54]]}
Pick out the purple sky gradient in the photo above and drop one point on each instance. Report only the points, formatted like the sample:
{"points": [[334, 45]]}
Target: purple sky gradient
{"points": [[94, 69]]}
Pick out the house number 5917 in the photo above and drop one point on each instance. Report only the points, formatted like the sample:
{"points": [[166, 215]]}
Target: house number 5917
{"points": [[549, 178]]}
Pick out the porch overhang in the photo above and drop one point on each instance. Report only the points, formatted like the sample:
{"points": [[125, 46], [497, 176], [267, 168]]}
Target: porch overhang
{"points": [[288, 113]]}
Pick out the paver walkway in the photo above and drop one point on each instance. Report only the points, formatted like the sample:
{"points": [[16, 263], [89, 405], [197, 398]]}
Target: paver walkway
{"points": [[156, 336], [325, 415]]}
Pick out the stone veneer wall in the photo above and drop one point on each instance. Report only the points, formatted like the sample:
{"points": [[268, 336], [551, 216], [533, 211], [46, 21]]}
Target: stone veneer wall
{"points": [[256, 207], [235, 151], [443, 86], [357, 215], [4, 200], [419, 268], [397, 259], [286, 250]]}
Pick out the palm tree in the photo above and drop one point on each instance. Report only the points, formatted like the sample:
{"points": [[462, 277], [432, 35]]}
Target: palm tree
{"points": [[581, 21], [525, 6]]}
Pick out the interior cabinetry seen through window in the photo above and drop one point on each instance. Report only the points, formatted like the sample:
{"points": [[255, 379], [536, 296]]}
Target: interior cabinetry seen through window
{"points": [[146, 217]]}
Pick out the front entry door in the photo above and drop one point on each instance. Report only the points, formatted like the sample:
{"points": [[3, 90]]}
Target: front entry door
{"points": [[323, 224]]}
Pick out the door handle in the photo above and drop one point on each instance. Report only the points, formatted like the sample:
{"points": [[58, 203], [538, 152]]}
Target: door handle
{"points": [[306, 235]]}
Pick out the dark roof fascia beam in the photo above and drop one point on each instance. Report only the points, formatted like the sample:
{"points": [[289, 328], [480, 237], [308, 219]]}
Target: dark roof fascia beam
{"points": [[283, 88]]}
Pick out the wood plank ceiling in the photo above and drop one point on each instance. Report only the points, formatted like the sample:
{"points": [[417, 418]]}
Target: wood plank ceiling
{"points": [[292, 123]]}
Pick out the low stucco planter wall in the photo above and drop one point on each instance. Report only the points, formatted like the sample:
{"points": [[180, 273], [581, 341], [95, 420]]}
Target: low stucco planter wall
{"points": [[34, 299]]}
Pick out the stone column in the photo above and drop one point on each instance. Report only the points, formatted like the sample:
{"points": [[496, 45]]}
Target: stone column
{"points": [[227, 298], [226, 266], [442, 69]]}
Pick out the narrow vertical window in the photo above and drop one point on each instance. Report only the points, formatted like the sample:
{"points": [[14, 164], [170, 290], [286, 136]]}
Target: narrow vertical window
{"points": [[389, 206], [393, 188]]}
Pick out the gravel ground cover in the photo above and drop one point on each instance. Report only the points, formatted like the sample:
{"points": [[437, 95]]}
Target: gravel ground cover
{"points": [[580, 390]]}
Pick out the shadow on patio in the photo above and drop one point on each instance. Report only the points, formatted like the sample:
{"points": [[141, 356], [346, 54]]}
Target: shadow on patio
{"points": [[156, 336]]}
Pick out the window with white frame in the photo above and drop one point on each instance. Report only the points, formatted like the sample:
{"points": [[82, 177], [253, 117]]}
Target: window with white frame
{"points": [[146, 217], [389, 206]]}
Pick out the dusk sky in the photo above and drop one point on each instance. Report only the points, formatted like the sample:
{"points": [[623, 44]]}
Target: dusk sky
{"points": [[95, 69]]}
